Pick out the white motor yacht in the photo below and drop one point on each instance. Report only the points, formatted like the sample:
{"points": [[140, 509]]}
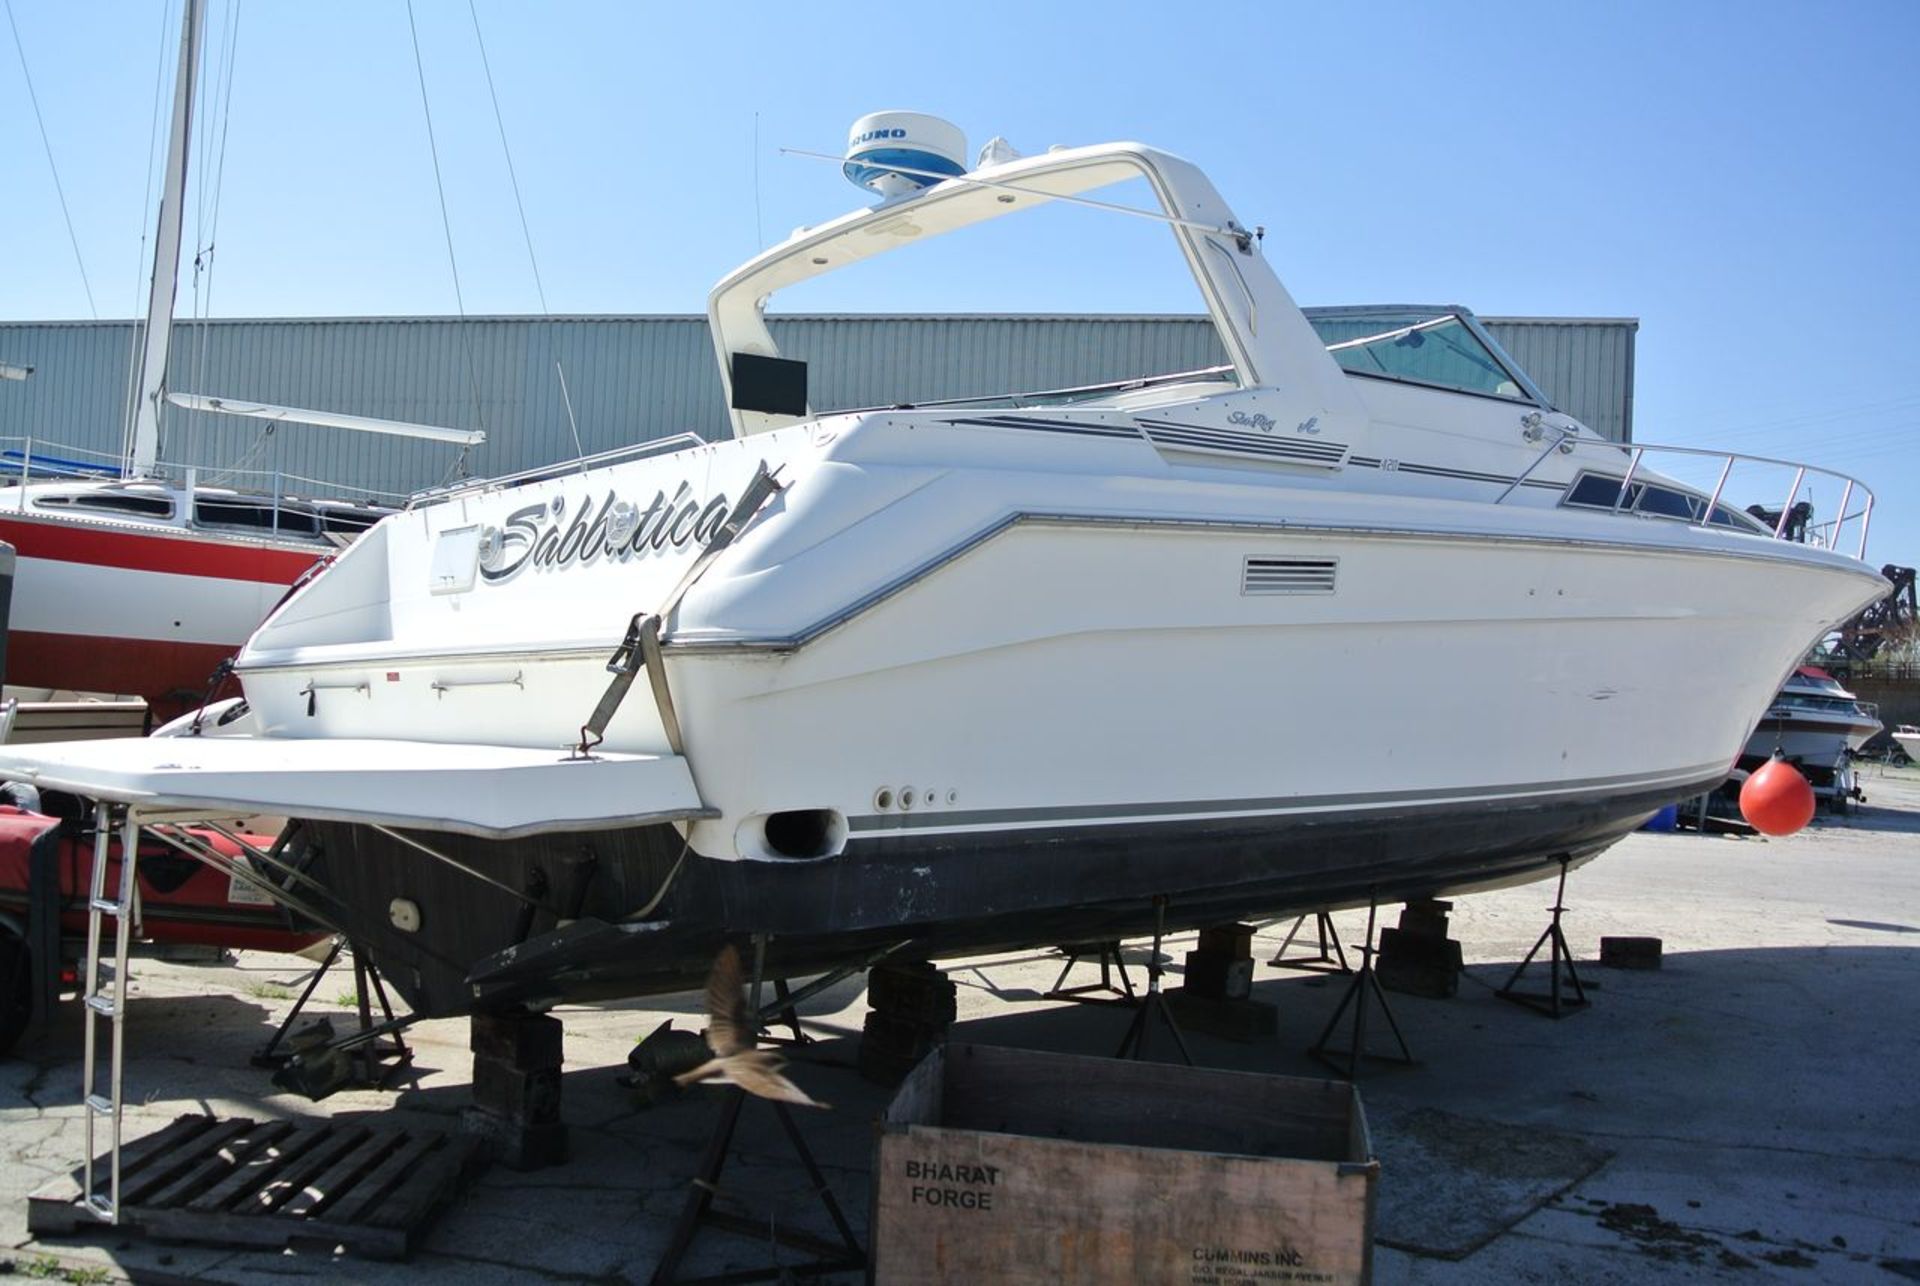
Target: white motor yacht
{"points": [[1815, 719], [1908, 737], [1815, 724], [951, 677]]}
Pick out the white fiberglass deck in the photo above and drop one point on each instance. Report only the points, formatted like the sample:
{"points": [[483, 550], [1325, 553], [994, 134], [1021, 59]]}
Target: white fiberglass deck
{"points": [[493, 791]]}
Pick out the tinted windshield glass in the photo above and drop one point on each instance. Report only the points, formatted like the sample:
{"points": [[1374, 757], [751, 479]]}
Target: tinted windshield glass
{"points": [[1442, 352], [1602, 491]]}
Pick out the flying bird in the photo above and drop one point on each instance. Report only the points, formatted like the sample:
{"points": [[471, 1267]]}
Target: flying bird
{"points": [[732, 1035]]}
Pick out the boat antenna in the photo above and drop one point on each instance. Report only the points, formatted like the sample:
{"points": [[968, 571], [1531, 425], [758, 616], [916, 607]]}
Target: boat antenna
{"points": [[526, 232], [446, 224], [59, 191], [759, 227]]}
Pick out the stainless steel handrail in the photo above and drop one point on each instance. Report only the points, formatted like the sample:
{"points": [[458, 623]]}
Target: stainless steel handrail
{"points": [[1018, 400], [1637, 452], [101, 466], [559, 468]]}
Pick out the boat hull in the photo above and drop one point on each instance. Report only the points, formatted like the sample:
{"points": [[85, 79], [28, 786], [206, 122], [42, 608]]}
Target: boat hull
{"points": [[1046, 721], [962, 686], [928, 896], [104, 608], [168, 676], [1821, 742]]}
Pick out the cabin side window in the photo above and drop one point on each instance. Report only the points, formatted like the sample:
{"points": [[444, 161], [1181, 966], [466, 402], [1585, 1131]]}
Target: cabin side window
{"points": [[349, 520], [1602, 491], [255, 515], [158, 507]]}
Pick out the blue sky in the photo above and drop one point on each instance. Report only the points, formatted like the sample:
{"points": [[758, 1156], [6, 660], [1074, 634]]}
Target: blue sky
{"points": [[1741, 178]]}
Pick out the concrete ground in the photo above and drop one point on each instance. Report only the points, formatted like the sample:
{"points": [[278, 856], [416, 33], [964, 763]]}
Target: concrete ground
{"points": [[1746, 1113]]}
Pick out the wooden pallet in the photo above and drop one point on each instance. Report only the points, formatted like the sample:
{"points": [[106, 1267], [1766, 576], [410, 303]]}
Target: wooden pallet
{"points": [[277, 1184]]}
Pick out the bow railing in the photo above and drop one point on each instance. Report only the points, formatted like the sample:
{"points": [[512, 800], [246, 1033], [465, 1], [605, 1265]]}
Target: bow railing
{"points": [[25, 460], [1706, 487]]}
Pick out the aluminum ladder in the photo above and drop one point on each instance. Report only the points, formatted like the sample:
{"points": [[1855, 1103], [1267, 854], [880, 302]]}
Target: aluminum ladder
{"points": [[107, 999]]}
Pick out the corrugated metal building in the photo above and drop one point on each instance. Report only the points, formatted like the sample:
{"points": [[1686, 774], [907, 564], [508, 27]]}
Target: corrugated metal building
{"points": [[630, 379]]}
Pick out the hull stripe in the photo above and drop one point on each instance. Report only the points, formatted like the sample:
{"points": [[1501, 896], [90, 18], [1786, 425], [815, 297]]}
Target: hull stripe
{"points": [[1818, 726], [161, 672], [1107, 813], [184, 554]]}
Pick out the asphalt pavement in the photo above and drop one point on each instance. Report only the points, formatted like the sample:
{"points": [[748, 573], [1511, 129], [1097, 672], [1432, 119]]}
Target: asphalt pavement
{"points": [[1745, 1113]]}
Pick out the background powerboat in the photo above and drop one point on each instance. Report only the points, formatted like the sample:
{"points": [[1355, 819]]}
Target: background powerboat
{"points": [[1814, 718], [1817, 725], [1908, 738]]}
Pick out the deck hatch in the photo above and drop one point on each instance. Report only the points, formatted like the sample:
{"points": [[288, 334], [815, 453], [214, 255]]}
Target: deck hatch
{"points": [[1288, 576]]}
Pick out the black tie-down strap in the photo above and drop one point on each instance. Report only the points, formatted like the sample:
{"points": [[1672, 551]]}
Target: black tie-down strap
{"points": [[640, 649]]}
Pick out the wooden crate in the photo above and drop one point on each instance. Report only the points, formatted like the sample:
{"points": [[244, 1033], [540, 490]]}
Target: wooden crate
{"points": [[1006, 1165], [277, 1184]]}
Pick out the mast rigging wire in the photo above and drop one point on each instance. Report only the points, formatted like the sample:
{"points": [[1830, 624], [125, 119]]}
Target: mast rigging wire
{"points": [[446, 223], [207, 217], [526, 233], [759, 225], [140, 264], [59, 191]]}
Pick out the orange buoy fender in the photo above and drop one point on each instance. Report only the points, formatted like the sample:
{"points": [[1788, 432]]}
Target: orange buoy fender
{"points": [[1776, 799]]}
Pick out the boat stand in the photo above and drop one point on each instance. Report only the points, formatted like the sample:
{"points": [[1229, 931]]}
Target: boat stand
{"points": [[786, 1002], [828, 1257], [1102, 992], [785, 1006], [1154, 1004], [377, 1058], [786, 1010], [1365, 989], [1332, 957], [1553, 1002], [847, 1256]]}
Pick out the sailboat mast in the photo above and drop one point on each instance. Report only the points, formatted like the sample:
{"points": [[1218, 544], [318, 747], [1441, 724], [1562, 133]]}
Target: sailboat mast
{"points": [[143, 439]]}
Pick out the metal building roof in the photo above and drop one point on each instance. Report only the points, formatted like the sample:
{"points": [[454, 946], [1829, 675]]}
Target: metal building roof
{"points": [[630, 379]]}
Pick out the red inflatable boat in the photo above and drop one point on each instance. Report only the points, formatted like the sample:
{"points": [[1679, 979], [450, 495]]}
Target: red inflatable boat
{"points": [[181, 901]]}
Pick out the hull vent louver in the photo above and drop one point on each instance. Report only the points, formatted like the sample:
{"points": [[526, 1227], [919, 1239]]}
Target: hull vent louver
{"points": [[1288, 575]]}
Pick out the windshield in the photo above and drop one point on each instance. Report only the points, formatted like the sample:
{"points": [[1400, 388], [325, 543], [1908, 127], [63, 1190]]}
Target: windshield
{"points": [[1442, 352], [1829, 705]]}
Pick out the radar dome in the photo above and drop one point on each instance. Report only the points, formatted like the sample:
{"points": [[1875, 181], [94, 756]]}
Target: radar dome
{"points": [[895, 153]]}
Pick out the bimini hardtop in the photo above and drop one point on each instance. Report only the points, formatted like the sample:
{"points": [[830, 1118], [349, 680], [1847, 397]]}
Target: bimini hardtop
{"points": [[1354, 611]]}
